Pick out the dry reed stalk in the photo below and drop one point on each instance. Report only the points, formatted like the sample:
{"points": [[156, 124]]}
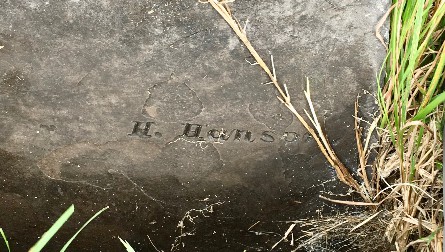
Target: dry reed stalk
{"points": [[342, 172], [408, 150]]}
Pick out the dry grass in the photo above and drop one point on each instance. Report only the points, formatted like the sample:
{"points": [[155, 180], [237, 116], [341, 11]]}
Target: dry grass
{"points": [[416, 197], [406, 175], [408, 169], [342, 232]]}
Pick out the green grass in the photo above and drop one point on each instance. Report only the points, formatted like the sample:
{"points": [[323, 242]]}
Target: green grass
{"points": [[53, 230], [126, 245], [411, 122], [412, 111], [5, 239], [48, 235], [84, 225]]}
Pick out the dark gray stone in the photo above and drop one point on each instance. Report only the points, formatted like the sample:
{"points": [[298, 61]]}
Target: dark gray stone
{"points": [[150, 107]]}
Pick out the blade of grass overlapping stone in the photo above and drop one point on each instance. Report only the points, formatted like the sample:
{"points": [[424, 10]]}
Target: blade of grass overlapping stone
{"points": [[4, 237], [46, 237], [126, 245], [84, 225]]}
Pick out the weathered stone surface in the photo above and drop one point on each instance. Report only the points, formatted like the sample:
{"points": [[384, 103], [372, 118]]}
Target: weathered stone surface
{"points": [[151, 108]]}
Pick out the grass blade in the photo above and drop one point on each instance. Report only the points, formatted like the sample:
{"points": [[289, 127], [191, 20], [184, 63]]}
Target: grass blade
{"points": [[437, 75], [5, 239], [434, 103], [84, 225], [53, 230], [126, 245]]}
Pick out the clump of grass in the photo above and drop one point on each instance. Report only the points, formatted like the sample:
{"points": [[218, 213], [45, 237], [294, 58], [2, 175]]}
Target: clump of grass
{"points": [[407, 174], [411, 124]]}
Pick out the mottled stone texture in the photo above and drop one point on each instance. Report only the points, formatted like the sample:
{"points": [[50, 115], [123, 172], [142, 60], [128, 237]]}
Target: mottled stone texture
{"points": [[151, 108]]}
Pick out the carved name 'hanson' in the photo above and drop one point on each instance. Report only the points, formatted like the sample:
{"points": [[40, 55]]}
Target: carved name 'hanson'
{"points": [[200, 132]]}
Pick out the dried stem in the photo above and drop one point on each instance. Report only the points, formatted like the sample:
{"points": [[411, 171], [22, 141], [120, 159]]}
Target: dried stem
{"points": [[342, 172]]}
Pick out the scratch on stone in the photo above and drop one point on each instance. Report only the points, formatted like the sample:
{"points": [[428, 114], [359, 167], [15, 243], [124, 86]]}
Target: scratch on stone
{"points": [[196, 143], [322, 184], [197, 97], [81, 79], [112, 171], [77, 182], [154, 101], [335, 7], [180, 40], [260, 121], [218, 142], [252, 248], [50, 164], [190, 217]]}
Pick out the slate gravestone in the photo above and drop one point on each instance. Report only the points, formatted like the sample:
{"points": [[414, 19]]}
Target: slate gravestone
{"points": [[152, 108]]}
